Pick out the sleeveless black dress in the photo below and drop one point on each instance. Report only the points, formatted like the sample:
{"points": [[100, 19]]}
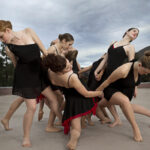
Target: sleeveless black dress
{"points": [[116, 57], [28, 81], [124, 85], [76, 106]]}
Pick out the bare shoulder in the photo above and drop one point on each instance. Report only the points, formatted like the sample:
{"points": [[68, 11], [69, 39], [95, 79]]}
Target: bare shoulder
{"points": [[28, 30], [123, 70], [73, 79], [131, 47], [126, 67], [51, 49]]}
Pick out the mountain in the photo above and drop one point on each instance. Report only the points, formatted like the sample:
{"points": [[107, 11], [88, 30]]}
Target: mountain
{"points": [[141, 52]]}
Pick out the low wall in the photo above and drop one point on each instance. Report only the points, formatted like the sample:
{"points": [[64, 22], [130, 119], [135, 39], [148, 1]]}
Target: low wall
{"points": [[8, 90]]}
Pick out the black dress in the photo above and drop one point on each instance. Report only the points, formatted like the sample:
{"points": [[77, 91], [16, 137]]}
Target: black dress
{"points": [[76, 106], [92, 82], [116, 57], [124, 85], [29, 81]]}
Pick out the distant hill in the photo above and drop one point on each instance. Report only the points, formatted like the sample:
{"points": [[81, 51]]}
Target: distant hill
{"points": [[141, 52], [144, 78]]}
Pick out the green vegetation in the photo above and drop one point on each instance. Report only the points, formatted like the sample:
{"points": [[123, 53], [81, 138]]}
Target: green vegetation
{"points": [[6, 68]]}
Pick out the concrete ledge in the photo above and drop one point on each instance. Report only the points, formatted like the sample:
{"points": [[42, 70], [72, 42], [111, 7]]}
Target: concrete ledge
{"points": [[8, 90], [5, 91]]}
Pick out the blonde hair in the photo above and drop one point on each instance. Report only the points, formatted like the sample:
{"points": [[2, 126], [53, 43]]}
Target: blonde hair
{"points": [[145, 59], [5, 24]]}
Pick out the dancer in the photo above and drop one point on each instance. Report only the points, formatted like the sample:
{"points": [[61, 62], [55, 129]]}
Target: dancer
{"points": [[23, 48], [118, 53], [78, 101], [120, 86]]}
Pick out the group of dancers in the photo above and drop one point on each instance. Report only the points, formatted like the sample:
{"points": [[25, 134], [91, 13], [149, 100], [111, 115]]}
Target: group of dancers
{"points": [[56, 78]]}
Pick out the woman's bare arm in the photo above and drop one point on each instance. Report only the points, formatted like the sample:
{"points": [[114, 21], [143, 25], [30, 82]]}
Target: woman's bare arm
{"points": [[85, 69], [51, 50], [131, 52], [75, 83], [36, 40], [120, 72]]}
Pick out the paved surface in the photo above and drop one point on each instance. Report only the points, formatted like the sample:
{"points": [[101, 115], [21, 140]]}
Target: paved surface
{"points": [[99, 137]]}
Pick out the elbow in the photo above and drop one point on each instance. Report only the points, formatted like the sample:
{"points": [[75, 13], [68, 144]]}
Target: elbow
{"points": [[122, 74]]}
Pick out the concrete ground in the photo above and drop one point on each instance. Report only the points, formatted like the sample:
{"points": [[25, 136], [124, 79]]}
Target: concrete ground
{"points": [[98, 137]]}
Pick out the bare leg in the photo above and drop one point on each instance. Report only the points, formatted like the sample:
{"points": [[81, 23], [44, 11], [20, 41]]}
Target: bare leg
{"points": [[83, 122], [74, 133], [41, 112], [104, 112], [49, 94], [140, 110], [113, 111], [50, 126], [60, 99], [101, 116], [27, 121], [120, 99], [13, 107], [88, 117]]}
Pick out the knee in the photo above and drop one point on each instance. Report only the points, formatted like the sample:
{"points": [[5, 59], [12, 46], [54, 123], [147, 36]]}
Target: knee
{"points": [[32, 108], [125, 102]]}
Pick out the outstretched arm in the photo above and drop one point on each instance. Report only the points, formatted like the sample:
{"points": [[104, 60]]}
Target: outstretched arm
{"points": [[85, 69], [120, 72], [36, 40], [101, 65], [75, 83], [131, 52]]}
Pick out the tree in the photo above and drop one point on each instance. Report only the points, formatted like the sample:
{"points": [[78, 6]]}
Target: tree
{"points": [[6, 68]]}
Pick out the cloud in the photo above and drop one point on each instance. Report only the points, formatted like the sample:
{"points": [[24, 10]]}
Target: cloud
{"points": [[94, 24]]}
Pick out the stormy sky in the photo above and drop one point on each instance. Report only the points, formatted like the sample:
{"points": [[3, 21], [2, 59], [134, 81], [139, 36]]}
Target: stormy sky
{"points": [[93, 23]]}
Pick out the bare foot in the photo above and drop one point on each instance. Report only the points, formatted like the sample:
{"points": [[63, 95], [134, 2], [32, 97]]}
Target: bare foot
{"points": [[5, 124], [107, 120], [26, 143], [58, 124], [73, 140], [52, 129], [40, 115], [90, 123], [115, 123], [137, 136]]}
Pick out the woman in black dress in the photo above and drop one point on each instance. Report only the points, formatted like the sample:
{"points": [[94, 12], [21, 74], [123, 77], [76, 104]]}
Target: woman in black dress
{"points": [[118, 53], [121, 85], [23, 48], [79, 101], [62, 46]]}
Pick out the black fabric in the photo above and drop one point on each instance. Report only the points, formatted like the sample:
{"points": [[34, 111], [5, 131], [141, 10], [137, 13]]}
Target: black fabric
{"points": [[28, 81], [92, 82], [124, 85], [76, 104]]}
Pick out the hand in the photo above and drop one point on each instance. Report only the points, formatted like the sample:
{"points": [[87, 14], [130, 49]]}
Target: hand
{"points": [[98, 76], [101, 94]]}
